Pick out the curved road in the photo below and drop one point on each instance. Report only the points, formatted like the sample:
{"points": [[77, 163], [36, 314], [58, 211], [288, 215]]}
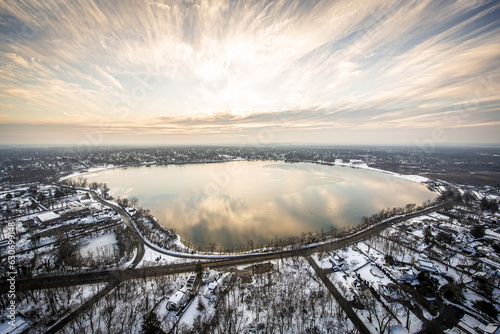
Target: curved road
{"points": [[229, 261], [102, 276], [116, 277], [127, 220]]}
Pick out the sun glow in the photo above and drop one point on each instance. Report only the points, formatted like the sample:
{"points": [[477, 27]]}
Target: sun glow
{"points": [[329, 65]]}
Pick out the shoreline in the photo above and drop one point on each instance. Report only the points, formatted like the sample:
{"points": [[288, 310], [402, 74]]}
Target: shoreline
{"points": [[410, 177], [413, 178]]}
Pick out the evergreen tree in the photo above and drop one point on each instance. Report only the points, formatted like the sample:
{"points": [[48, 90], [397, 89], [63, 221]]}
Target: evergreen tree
{"points": [[151, 324], [478, 231], [428, 235], [198, 269]]}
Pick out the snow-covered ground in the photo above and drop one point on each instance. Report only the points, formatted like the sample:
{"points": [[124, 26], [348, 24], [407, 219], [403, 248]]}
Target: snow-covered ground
{"points": [[90, 170], [414, 178], [364, 257], [154, 258], [123, 309], [98, 245], [17, 326], [40, 307]]}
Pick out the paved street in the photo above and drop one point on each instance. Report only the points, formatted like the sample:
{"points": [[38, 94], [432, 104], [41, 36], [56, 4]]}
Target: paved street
{"points": [[116, 277]]}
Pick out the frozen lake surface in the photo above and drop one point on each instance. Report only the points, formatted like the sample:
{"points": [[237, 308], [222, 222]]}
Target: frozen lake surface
{"points": [[230, 203]]}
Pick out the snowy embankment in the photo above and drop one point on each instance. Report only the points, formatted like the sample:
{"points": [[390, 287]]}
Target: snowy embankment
{"points": [[154, 258], [225, 256], [90, 170], [414, 178]]}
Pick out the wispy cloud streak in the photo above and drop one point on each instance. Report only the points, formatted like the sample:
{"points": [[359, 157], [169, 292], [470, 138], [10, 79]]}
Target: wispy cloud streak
{"points": [[224, 66]]}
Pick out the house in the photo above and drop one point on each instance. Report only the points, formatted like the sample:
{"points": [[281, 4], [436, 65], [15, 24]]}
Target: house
{"points": [[86, 201], [427, 265], [191, 280], [212, 290], [390, 291], [467, 249], [227, 278], [404, 274], [490, 328], [187, 291], [192, 285], [83, 196], [446, 229], [471, 325], [177, 300], [131, 211], [211, 276], [495, 265], [494, 257], [16, 325], [338, 263], [480, 275], [75, 212], [483, 251]]}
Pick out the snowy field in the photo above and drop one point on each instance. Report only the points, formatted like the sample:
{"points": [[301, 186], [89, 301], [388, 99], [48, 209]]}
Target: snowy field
{"points": [[154, 258], [101, 244]]}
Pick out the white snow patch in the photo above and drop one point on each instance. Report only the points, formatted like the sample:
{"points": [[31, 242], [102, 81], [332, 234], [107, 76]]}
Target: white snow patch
{"points": [[96, 245], [154, 258]]}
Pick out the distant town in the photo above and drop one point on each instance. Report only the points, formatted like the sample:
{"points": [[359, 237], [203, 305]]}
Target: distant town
{"points": [[77, 260]]}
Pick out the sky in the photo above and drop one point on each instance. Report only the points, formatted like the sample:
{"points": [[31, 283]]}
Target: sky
{"points": [[99, 72]]}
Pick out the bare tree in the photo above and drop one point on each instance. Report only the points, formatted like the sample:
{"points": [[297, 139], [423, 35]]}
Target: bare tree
{"points": [[133, 201], [108, 313], [383, 315]]}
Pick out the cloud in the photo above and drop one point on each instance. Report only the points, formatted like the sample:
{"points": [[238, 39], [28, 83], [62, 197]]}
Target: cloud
{"points": [[219, 66]]}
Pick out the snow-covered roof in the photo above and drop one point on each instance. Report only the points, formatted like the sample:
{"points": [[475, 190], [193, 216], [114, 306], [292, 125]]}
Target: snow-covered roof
{"points": [[490, 328], [426, 263], [48, 216], [177, 297], [19, 326]]}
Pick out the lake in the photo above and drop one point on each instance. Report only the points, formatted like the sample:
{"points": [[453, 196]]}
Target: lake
{"points": [[230, 203]]}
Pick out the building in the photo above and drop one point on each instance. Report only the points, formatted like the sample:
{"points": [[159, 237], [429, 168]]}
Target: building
{"points": [[75, 212], [48, 217], [177, 300], [404, 274], [427, 265], [338, 263], [390, 292], [213, 289]]}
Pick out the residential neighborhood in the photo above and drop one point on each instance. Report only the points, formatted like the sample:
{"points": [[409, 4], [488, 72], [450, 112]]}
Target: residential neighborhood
{"points": [[423, 270]]}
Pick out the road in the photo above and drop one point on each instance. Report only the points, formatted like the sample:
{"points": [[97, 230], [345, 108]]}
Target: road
{"points": [[127, 220], [125, 274], [101, 276], [76, 236], [346, 306], [116, 277], [82, 308], [112, 277]]}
